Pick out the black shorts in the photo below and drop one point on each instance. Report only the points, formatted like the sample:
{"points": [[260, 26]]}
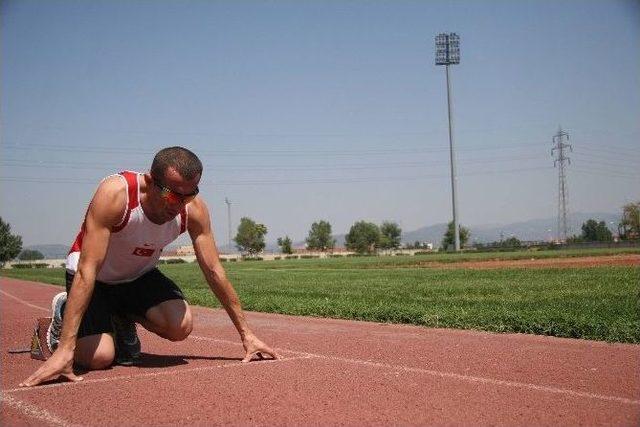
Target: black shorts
{"points": [[134, 297]]}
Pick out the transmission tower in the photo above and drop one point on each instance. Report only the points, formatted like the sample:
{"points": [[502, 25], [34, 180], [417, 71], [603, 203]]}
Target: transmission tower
{"points": [[558, 152]]}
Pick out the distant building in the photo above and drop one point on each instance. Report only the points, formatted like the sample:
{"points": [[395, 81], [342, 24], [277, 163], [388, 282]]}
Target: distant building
{"points": [[185, 250], [305, 251]]}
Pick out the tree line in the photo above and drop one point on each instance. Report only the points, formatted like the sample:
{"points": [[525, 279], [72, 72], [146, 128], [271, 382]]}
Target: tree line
{"points": [[367, 238], [363, 237]]}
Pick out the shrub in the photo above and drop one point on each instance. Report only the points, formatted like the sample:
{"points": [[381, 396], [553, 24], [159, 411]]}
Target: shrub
{"points": [[35, 265]]}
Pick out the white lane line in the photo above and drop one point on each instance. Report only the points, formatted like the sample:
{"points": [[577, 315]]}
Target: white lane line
{"points": [[30, 282], [441, 374], [23, 301], [152, 374], [33, 411]]}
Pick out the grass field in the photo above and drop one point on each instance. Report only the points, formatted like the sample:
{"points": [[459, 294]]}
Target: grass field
{"points": [[600, 303]]}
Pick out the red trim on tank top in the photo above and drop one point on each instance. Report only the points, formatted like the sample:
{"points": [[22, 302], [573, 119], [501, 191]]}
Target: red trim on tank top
{"points": [[132, 189], [77, 244], [183, 220]]}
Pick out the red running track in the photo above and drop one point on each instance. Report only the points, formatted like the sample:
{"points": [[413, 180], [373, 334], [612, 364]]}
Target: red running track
{"points": [[334, 372]]}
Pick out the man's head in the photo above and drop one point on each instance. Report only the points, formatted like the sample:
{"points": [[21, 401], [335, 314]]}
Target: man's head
{"points": [[173, 179], [186, 163]]}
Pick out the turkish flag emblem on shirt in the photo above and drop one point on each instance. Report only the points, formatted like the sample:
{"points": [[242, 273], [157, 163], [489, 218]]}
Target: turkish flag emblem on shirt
{"points": [[143, 252]]}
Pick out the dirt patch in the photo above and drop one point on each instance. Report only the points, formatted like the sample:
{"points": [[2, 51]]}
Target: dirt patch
{"points": [[590, 261]]}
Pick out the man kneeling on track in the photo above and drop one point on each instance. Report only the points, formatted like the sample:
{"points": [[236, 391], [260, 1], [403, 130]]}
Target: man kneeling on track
{"points": [[112, 279]]}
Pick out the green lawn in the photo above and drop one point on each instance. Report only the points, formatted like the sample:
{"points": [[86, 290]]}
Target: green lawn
{"points": [[601, 303]]}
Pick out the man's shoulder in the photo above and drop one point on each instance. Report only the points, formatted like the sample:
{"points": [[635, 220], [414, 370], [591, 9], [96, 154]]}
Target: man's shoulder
{"points": [[110, 199], [197, 208], [113, 185]]}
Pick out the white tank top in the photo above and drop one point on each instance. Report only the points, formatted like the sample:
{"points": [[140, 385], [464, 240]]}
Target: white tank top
{"points": [[135, 245]]}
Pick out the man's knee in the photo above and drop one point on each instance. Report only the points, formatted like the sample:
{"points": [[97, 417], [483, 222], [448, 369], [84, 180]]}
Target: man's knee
{"points": [[95, 351], [180, 332], [171, 320], [100, 361]]}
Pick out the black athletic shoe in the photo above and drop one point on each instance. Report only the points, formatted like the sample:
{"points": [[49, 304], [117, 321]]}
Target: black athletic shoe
{"points": [[55, 327], [126, 340]]}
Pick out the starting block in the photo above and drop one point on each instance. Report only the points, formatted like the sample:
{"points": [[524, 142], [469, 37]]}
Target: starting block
{"points": [[39, 348]]}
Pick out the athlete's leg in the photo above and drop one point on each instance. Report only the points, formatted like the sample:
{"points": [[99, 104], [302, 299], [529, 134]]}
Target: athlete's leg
{"points": [[158, 304], [170, 319], [95, 351], [95, 347]]}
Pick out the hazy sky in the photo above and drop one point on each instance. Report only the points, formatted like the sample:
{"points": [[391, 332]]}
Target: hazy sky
{"points": [[309, 110]]}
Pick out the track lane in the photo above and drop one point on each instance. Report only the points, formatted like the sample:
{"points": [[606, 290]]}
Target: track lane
{"points": [[394, 373]]}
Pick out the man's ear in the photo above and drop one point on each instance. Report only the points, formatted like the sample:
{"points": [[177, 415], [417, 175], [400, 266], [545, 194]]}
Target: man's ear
{"points": [[148, 179]]}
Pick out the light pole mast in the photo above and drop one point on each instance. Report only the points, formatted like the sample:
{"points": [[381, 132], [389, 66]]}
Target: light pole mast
{"points": [[228, 202], [448, 53]]}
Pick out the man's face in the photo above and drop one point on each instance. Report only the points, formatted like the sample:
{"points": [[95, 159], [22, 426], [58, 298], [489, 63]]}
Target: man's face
{"points": [[172, 192]]}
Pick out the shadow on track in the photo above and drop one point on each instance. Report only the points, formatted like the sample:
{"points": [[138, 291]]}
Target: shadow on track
{"points": [[148, 360]]}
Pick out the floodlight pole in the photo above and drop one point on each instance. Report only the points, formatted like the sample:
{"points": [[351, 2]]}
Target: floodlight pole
{"points": [[228, 202], [447, 53], [454, 176]]}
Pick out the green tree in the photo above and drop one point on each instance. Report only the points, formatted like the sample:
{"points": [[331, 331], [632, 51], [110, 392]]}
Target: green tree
{"points": [[285, 245], [629, 227], [250, 237], [449, 239], [594, 231], [10, 244], [30, 255], [390, 235], [511, 242], [363, 237], [575, 239], [320, 236]]}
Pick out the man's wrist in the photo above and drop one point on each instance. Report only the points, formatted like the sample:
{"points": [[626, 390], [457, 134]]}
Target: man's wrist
{"points": [[67, 344]]}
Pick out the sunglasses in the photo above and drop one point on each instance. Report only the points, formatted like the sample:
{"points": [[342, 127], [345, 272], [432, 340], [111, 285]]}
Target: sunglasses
{"points": [[174, 197]]}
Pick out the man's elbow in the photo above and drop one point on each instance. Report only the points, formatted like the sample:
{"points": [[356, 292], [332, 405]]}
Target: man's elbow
{"points": [[86, 274]]}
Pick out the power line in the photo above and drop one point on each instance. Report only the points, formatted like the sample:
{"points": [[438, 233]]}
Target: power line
{"points": [[249, 151], [294, 181], [243, 167], [591, 171]]}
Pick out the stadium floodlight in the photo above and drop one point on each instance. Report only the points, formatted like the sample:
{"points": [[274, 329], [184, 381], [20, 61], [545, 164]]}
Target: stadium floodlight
{"points": [[447, 49], [448, 53]]}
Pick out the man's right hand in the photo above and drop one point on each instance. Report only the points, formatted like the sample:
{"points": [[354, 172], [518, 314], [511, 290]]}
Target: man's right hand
{"points": [[59, 364]]}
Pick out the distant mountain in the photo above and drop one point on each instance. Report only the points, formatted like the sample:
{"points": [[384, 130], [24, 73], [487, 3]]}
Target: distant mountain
{"points": [[50, 251], [431, 234], [535, 229]]}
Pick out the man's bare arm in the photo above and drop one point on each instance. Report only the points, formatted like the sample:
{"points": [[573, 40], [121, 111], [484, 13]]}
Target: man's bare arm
{"points": [[199, 226], [106, 210]]}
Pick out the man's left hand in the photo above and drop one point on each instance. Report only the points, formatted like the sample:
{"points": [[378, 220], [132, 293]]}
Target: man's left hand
{"points": [[252, 345]]}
